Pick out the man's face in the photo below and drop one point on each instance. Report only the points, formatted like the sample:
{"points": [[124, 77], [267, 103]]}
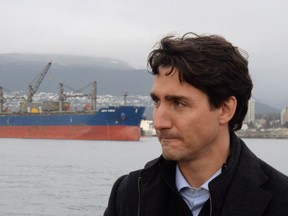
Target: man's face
{"points": [[186, 125]]}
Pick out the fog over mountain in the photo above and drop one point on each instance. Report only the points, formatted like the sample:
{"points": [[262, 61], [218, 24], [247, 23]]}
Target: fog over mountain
{"points": [[113, 76]]}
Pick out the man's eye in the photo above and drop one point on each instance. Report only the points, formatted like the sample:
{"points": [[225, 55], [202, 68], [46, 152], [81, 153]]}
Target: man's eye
{"points": [[179, 103], [155, 102]]}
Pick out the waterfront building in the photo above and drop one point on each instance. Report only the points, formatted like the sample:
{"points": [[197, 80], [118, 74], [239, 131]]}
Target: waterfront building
{"points": [[147, 128], [284, 115], [250, 116]]}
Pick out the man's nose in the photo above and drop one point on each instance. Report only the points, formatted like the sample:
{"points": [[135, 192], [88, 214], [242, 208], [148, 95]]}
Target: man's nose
{"points": [[162, 117]]}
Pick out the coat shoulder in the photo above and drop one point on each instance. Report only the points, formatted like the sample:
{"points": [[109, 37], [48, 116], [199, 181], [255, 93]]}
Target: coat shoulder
{"points": [[277, 185], [277, 180]]}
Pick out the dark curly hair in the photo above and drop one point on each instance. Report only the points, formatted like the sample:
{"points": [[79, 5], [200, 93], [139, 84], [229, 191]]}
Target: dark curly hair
{"points": [[210, 64]]}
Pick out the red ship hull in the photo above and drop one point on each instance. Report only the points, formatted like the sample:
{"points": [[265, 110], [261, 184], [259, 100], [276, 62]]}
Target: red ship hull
{"points": [[130, 133]]}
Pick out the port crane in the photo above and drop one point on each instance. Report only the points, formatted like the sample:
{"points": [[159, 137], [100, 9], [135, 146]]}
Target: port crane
{"points": [[34, 85]]}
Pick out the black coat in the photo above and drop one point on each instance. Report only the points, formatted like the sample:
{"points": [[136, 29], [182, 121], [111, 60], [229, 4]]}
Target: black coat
{"points": [[246, 187]]}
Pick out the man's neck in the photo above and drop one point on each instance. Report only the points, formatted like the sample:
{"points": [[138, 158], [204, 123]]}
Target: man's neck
{"points": [[198, 171]]}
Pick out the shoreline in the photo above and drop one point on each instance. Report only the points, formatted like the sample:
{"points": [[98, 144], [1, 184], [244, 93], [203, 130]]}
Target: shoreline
{"points": [[274, 133]]}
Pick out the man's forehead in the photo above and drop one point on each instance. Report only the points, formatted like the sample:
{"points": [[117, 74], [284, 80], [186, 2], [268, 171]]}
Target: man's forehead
{"points": [[167, 70]]}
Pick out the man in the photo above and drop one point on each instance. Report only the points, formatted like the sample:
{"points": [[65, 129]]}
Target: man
{"points": [[200, 92]]}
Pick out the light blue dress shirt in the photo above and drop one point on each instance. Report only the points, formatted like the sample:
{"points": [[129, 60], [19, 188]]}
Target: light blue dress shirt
{"points": [[194, 197]]}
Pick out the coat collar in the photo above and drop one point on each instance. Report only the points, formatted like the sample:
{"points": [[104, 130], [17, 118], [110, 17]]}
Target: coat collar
{"points": [[240, 184]]}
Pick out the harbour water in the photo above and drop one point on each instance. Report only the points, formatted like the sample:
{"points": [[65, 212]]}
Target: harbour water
{"points": [[64, 177]]}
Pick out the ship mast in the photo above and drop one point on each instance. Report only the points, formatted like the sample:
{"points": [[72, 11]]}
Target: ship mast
{"points": [[2, 100], [94, 95], [125, 98], [61, 97]]}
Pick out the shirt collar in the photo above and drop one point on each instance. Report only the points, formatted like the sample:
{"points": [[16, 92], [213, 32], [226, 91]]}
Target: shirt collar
{"points": [[182, 183]]}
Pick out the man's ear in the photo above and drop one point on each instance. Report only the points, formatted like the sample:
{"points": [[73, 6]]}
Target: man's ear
{"points": [[228, 109]]}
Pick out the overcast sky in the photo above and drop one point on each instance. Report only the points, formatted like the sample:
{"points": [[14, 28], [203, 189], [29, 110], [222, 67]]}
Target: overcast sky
{"points": [[128, 29]]}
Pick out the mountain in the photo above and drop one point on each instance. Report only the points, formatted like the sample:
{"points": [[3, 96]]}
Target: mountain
{"points": [[263, 109], [112, 76]]}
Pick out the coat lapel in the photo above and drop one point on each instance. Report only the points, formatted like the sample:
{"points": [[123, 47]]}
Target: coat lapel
{"points": [[246, 195], [238, 190]]}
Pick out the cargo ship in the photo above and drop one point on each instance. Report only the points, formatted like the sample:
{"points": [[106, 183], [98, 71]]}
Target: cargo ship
{"points": [[55, 120]]}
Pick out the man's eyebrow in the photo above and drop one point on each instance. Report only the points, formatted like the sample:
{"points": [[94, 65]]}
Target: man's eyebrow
{"points": [[153, 95], [169, 97], [175, 98]]}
